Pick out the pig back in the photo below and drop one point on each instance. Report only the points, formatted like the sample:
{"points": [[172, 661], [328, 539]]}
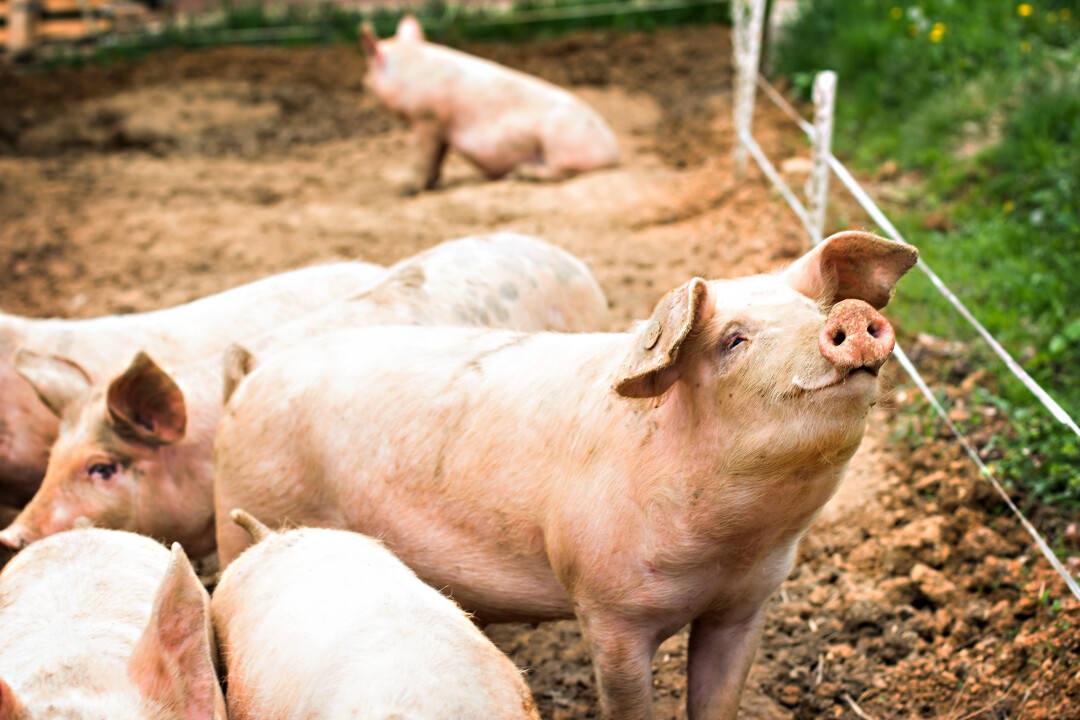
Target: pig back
{"points": [[324, 623], [73, 606], [503, 280]]}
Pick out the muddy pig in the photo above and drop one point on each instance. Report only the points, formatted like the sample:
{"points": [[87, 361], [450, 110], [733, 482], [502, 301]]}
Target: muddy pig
{"points": [[105, 624], [498, 118], [329, 624], [102, 347], [638, 481], [135, 451]]}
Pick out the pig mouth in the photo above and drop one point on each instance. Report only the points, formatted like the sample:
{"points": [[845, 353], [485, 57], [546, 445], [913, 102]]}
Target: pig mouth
{"points": [[832, 378]]}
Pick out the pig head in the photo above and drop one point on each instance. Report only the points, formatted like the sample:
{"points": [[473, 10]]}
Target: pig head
{"points": [[115, 459]]}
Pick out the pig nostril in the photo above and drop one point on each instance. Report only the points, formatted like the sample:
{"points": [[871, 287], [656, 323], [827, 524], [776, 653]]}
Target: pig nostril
{"points": [[838, 338], [874, 330]]}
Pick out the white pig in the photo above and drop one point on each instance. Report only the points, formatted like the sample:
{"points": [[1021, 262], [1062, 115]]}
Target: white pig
{"points": [[105, 624], [135, 451], [638, 481], [102, 347], [329, 624], [496, 117]]}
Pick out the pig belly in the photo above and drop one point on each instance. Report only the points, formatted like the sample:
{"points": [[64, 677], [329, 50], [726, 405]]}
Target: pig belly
{"points": [[485, 575]]}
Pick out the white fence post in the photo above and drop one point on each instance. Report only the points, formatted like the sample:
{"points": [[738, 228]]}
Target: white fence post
{"points": [[748, 16], [817, 184]]}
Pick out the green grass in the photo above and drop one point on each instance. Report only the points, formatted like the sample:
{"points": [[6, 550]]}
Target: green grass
{"points": [[983, 101]]}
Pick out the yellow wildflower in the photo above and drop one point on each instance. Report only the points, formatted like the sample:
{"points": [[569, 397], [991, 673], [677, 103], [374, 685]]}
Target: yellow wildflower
{"points": [[1008, 206], [1023, 10], [896, 13], [937, 32], [913, 29], [1066, 13], [1025, 46], [1051, 17]]}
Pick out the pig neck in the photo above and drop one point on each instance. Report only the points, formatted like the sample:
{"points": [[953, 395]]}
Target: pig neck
{"points": [[704, 484]]}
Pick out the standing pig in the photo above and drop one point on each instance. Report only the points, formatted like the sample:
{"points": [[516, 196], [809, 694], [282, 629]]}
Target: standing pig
{"points": [[329, 624], [177, 335], [105, 624], [135, 452], [496, 117], [639, 482]]}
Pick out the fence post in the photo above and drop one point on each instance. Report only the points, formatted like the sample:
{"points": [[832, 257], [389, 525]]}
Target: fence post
{"points": [[21, 28], [817, 184], [748, 16]]}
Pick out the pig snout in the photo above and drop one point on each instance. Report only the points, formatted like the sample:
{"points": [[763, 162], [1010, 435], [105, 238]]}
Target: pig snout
{"points": [[856, 336]]}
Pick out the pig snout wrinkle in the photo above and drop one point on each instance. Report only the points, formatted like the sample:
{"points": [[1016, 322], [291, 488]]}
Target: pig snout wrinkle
{"points": [[856, 336]]}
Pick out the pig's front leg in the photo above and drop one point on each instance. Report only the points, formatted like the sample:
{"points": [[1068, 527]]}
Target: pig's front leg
{"points": [[720, 654], [431, 147], [622, 652]]}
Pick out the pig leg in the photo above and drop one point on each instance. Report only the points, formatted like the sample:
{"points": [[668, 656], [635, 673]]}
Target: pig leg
{"points": [[431, 147], [622, 652], [719, 660]]}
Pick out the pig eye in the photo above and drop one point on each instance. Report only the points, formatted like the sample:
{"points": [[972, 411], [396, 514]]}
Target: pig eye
{"points": [[102, 471], [734, 341]]}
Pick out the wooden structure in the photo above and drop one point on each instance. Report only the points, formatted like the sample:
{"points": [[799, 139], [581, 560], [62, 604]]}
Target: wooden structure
{"points": [[28, 25]]}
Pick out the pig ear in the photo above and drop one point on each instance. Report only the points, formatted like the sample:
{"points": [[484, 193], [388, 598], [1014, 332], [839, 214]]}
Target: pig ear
{"points": [[409, 29], [57, 381], [10, 707], [850, 265], [146, 405], [174, 661], [651, 367], [369, 41], [239, 363]]}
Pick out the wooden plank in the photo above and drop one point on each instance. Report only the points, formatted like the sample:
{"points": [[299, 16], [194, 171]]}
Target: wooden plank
{"points": [[70, 29], [70, 6]]}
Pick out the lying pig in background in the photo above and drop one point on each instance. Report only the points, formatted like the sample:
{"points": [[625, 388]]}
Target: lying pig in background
{"points": [[135, 451], [496, 117], [175, 336], [105, 624], [638, 481], [329, 624]]}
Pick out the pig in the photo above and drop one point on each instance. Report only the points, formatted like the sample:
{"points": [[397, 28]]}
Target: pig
{"points": [[319, 623], [637, 481], [135, 451], [498, 118], [106, 624], [177, 335]]}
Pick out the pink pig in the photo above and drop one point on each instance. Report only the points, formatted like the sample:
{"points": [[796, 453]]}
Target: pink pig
{"points": [[329, 624], [106, 624], [177, 335], [638, 481], [496, 117], [135, 450]]}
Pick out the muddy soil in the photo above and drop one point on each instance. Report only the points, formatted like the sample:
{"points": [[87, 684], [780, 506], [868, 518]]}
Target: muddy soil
{"points": [[141, 186]]}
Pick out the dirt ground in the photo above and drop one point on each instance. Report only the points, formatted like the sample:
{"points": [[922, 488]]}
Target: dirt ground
{"points": [[137, 187]]}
